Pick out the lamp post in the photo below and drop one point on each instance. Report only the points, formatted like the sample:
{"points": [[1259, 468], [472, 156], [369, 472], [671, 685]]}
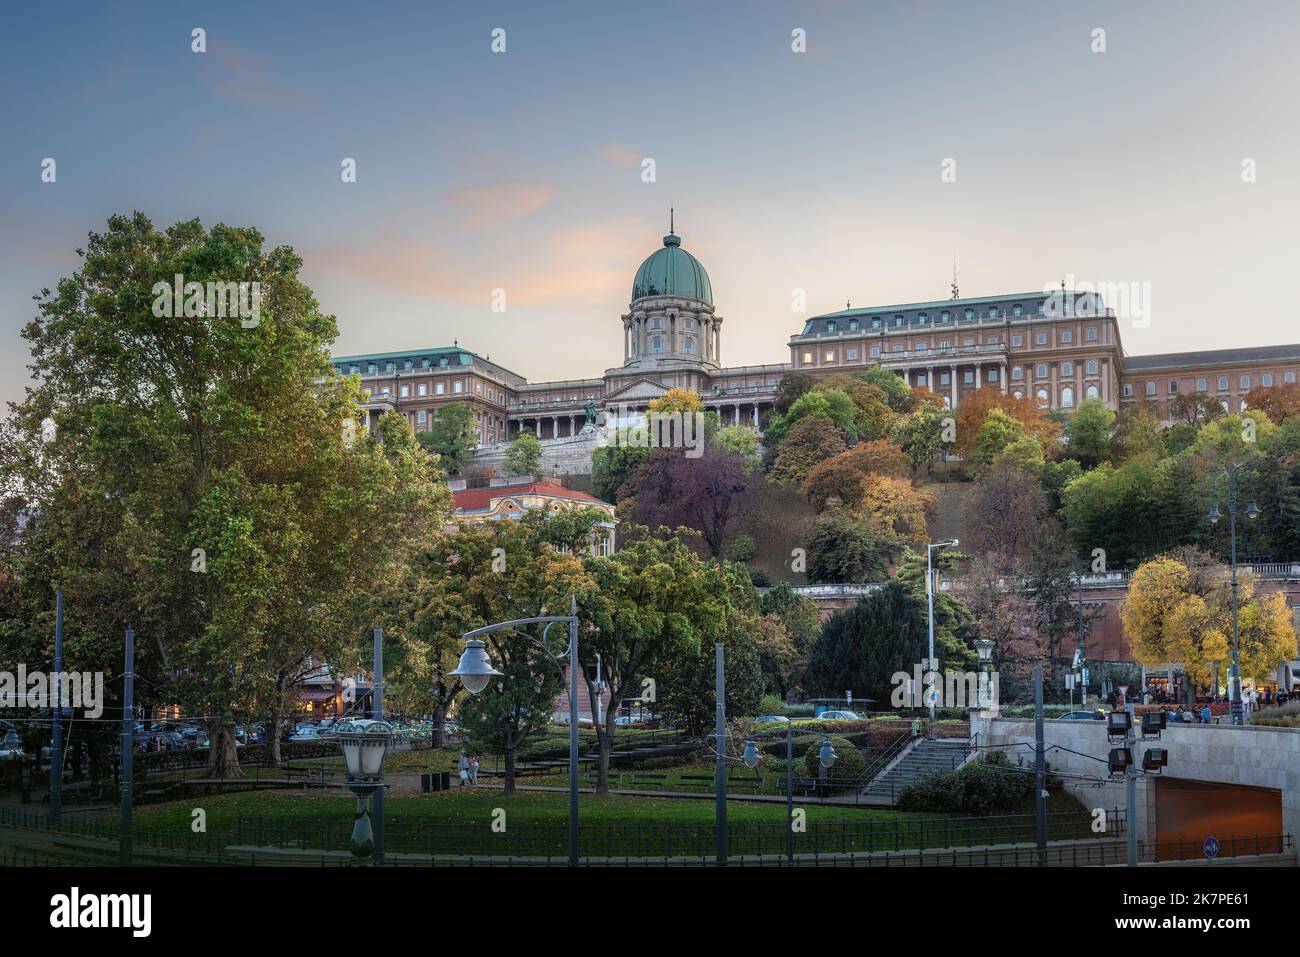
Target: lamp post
{"points": [[1231, 473], [826, 757], [929, 594], [364, 743], [984, 646], [475, 671]]}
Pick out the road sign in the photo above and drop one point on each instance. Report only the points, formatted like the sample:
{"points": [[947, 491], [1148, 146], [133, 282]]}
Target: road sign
{"points": [[1211, 847]]}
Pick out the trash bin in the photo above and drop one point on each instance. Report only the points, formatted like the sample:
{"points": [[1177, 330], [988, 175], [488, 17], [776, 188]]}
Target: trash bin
{"points": [[426, 783]]}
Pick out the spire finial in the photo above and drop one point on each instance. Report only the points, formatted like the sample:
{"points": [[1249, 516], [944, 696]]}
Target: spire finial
{"points": [[670, 220], [956, 292]]}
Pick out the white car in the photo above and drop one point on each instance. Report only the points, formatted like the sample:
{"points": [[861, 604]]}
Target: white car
{"points": [[839, 716], [306, 734], [772, 719]]}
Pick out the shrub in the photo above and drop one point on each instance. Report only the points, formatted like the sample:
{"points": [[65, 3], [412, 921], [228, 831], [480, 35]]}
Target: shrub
{"points": [[988, 786], [742, 549], [770, 704], [848, 766]]}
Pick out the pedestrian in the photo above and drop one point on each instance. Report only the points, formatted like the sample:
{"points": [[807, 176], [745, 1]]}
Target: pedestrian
{"points": [[473, 771], [1205, 714], [462, 766]]}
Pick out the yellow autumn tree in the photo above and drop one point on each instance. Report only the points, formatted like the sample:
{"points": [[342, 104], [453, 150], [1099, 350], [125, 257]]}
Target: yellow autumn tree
{"points": [[677, 400], [1174, 613], [896, 505]]}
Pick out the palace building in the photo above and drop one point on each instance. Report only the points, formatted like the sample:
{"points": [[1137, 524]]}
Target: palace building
{"points": [[1060, 347]]}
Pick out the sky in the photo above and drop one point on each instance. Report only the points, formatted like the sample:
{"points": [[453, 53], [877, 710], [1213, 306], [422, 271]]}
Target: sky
{"points": [[821, 170]]}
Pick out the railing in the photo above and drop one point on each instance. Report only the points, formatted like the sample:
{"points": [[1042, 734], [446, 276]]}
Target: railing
{"points": [[882, 760]]}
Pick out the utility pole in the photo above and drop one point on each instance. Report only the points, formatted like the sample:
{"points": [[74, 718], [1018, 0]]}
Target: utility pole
{"points": [[720, 762], [377, 712], [128, 749], [56, 711], [1040, 770], [1130, 788]]}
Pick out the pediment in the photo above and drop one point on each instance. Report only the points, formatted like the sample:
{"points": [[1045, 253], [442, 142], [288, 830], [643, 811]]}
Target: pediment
{"points": [[639, 390]]}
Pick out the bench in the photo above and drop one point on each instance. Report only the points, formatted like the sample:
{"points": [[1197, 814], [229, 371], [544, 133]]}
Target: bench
{"points": [[642, 778]]}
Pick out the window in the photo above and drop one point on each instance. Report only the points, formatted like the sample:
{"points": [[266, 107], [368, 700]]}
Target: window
{"points": [[945, 316], [993, 375], [922, 318], [408, 364], [993, 312], [898, 320], [384, 391], [353, 370], [1017, 340], [1200, 384], [1244, 382], [1067, 336], [898, 347], [1173, 386], [422, 388], [1092, 367], [458, 387], [875, 351], [829, 355], [1041, 396], [688, 344], [968, 377], [969, 314], [1267, 380], [1128, 388], [405, 391], [1092, 392], [1243, 405], [1067, 398], [439, 388], [424, 363], [852, 354], [943, 378], [656, 323], [854, 325], [1040, 371], [830, 325], [422, 416], [1150, 388], [690, 324], [922, 379], [656, 344], [875, 322], [943, 345], [390, 366], [807, 358], [1017, 311], [1092, 334], [992, 340], [372, 369], [968, 341], [1067, 369], [1017, 372], [1040, 338], [1223, 383], [1288, 377], [922, 346]]}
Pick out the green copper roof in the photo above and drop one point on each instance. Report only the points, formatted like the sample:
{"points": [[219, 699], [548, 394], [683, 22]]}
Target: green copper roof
{"points": [[672, 271]]}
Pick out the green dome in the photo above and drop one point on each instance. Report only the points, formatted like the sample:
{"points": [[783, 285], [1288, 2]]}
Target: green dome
{"points": [[672, 271]]}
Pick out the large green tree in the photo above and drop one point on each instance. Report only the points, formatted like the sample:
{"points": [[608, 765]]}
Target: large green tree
{"points": [[203, 476]]}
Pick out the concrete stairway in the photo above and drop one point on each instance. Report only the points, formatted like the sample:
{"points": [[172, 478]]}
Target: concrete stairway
{"points": [[928, 756]]}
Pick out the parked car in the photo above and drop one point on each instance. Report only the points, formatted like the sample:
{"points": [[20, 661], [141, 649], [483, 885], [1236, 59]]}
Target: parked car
{"points": [[306, 734], [1082, 716], [839, 716], [772, 719], [623, 720]]}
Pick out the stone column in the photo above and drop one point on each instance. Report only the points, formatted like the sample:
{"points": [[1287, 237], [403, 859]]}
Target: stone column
{"points": [[952, 382], [978, 380]]}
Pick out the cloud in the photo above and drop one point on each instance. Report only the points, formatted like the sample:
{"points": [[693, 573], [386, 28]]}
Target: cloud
{"points": [[620, 157], [492, 205], [244, 77]]}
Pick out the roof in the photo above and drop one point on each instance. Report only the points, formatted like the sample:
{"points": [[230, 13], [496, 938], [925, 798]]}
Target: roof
{"points": [[1171, 360], [479, 499], [455, 354], [672, 271]]}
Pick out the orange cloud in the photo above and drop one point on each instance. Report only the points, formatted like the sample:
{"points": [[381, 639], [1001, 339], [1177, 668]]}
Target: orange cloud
{"points": [[492, 205]]}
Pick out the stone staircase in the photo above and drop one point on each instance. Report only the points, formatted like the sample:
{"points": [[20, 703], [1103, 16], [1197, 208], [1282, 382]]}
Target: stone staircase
{"points": [[927, 756]]}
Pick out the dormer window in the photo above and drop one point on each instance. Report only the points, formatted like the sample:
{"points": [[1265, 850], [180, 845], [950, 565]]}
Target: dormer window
{"points": [[853, 325], [830, 325]]}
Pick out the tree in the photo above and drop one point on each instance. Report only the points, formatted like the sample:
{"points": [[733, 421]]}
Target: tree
{"points": [[898, 508], [808, 442], [654, 604], [791, 386], [612, 465], [841, 477], [842, 549], [898, 394], [920, 435], [863, 647], [499, 571], [1195, 408], [832, 404], [1179, 609], [207, 479], [1088, 439], [1278, 402], [678, 400], [524, 454], [976, 405], [702, 493], [800, 622], [1006, 509], [998, 431], [450, 435], [1137, 433]]}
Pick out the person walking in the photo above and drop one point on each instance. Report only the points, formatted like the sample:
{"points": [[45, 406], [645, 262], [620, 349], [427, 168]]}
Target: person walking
{"points": [[462, 766], [473, 771]]}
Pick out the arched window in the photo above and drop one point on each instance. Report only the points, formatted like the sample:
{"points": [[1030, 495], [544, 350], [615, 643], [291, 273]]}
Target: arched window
{"points": [[688, 344], [830, 325], [1067, 398], [1244, 382], [1041, 395], [1092, 392], [1266, 380], [1092, 367]]}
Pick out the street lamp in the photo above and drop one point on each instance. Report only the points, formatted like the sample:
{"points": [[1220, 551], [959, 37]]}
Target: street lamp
{"points": [[984, 647], [475, 671], [1231, 472], [929, 594], [364, 743]]}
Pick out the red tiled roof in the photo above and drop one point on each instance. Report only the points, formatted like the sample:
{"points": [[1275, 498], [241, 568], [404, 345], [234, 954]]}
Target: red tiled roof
{"points": [[478, 499]]}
